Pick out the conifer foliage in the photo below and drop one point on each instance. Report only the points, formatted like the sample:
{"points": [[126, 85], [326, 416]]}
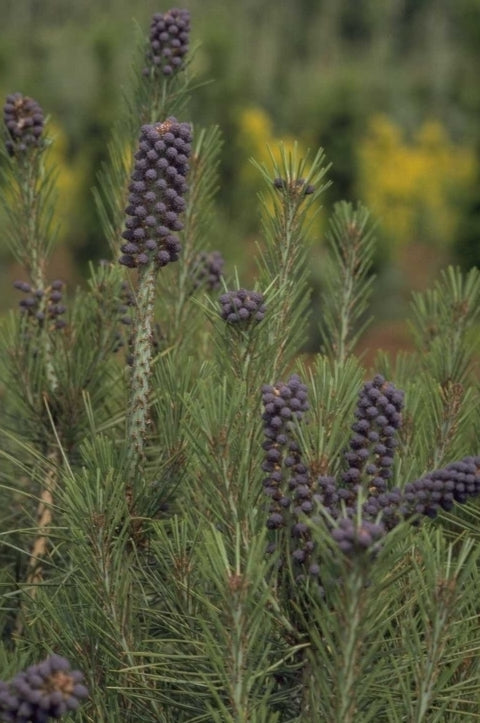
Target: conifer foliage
{"points": [[208, 528]]}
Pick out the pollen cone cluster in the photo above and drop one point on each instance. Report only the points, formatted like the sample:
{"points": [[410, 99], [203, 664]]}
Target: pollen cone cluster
{"points": [[157, 195]]}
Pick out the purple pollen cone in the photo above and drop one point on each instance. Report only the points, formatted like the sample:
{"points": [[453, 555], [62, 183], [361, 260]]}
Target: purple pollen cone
{"points": [[169, 40], [295, 490], [49, 689], [371, 448], [156, 196], [43, 304], [287, 483], [242, 306], [24, 121], [207, 270]]}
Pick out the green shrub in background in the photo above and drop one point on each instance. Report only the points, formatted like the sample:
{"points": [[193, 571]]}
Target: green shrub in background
{"points": [[206, 527], [319, 70]]}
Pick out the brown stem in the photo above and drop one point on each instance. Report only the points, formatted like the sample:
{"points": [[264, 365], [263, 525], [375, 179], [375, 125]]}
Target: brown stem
{"points": [[40, 545], [44, 518]]}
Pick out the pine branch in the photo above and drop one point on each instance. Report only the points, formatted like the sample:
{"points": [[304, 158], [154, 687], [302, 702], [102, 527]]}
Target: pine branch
{"points": [[40, 546], [347, 279], [288, 208], [181, 323], [441, 574], [443, 320], [30, 233], [348, 630], [150, 97], [351, 648], [156, 199], [30, 212]]}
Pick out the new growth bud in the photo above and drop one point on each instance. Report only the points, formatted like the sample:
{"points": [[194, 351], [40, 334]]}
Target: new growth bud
{"points": [[125, 311], [295, 187]]}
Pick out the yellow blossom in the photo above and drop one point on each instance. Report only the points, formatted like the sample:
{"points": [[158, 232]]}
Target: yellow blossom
{"points": [[413, 187]]}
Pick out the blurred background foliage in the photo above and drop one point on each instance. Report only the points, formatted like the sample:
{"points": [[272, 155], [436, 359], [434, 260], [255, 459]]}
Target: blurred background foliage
{"points": [[389, 89], [414, 186]]}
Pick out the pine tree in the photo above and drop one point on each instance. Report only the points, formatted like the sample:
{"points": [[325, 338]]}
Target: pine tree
{"points": [[207, 527]]}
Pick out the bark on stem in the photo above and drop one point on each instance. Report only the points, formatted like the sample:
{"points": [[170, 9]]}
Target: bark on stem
{"points": [[139, 408], [40, 545], [44, 520]]}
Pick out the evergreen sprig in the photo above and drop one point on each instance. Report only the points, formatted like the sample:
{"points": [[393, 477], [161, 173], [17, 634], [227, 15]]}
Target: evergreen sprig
{"points": [[203, 184], [288, 205], [148, 98], [347, 279]]}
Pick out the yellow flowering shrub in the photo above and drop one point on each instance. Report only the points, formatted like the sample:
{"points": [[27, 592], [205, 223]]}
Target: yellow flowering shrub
{"points": [[413, 187]]}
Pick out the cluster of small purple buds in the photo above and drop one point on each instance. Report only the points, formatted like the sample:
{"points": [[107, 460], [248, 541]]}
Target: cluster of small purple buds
{"points": [[284, 405], [123, 311], [353, 538], [44, 305], [297, 186], [207, 270], [157, 195], [295, 492], [127, 303], [287, 483], [442, 488], [372, 445], [169, 37], [426, 496], [24, 121], [241, 306], [47, 690]]}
